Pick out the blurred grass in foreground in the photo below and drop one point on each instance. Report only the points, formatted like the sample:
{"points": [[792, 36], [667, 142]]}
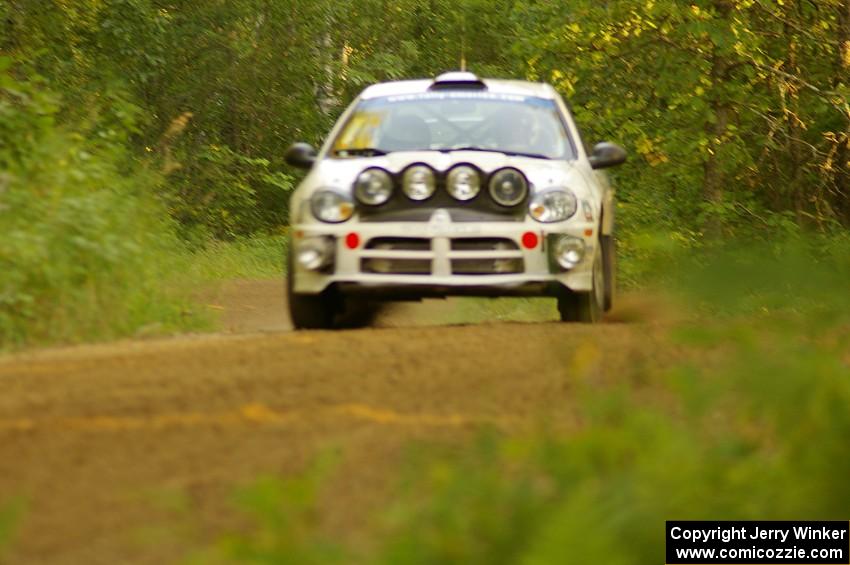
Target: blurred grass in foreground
{"points": [[753, 424], [10, 514]]}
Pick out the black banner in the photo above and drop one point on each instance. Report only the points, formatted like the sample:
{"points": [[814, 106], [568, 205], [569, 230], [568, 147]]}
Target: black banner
{"points": [[742, 543]]}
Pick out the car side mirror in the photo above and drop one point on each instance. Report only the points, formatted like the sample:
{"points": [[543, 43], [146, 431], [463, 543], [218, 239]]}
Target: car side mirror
{"points": [[606, 155], [301, 156]]}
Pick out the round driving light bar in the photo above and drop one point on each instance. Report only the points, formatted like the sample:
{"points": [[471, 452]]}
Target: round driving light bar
{"points": [[315, 253], [568, 251], [373, 187], [464, 183], [331, 206], [508, 187], [419, 182], [553, 206]]}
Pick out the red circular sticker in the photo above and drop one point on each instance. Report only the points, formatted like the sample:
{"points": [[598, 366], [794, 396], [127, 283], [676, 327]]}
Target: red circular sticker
{"points": [[352, 240], [530, 240]]}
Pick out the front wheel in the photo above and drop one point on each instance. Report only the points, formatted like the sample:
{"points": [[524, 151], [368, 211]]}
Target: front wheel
{"points": [[586, 307], [609, 262], [308, 311], [328, 310]]}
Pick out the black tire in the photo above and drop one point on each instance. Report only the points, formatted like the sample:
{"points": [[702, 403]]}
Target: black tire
{"points": [[609, 263], [356, 312], [585, 307], [309, 311]]}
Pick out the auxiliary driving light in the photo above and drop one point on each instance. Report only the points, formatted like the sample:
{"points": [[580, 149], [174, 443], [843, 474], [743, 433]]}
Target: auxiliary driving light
{"points": [[373, 187], [419, 182], [463, 183], [315, 253], [508, 187], [568, 251]]}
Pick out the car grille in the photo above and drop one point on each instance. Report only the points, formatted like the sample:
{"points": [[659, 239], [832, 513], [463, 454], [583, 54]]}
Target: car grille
{"points": [[464, 256], [400, 244], [498, 256], [396, 266], [391, 257], [484, 244], [487, 266]]}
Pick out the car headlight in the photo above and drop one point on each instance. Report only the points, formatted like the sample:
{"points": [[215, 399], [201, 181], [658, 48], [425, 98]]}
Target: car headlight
{"points": [[419, 182], [331, 206], [508, 187], [553, 206], [373, 187], [464, 183]]}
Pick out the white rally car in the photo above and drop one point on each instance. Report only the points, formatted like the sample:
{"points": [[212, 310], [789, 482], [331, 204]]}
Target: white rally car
{"points": [[453, 186]]}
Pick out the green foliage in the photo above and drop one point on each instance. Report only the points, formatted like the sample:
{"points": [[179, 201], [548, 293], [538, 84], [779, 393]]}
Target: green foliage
{"points": [[85, 248], [229, 194], [730, 108], [735, 111], [284, 521]]}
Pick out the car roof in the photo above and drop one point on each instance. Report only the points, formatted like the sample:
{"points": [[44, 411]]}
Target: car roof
{"points": [[460, 81]]}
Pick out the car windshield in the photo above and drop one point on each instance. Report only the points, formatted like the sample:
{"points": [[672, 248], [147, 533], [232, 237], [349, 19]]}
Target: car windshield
{"points": [[454, 121]]}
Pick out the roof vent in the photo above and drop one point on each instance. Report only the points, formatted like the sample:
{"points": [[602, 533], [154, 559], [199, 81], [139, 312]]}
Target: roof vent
{"points": [[459, 80]]}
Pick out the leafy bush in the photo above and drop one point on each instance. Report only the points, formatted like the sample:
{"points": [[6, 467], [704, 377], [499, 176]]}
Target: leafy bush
{"points": [[220, 193], [284, 516], [85, 246]]}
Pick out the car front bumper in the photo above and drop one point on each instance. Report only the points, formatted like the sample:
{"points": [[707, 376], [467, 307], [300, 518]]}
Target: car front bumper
{"points": [[438, 251]]}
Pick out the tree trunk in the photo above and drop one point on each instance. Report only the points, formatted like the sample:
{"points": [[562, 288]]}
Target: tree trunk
{"points": [[791, 106], [713, 181], [326, 87], [843, 40], [842, 72]]}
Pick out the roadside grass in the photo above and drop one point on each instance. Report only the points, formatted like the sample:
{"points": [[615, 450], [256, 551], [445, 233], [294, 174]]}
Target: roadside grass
{"points": [[89, 263], [149, 289], [752, 423], [149, 286], [256, 257]]}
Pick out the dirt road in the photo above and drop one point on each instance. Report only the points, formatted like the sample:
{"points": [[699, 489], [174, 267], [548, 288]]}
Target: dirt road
{"points": [[130, 452]]}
